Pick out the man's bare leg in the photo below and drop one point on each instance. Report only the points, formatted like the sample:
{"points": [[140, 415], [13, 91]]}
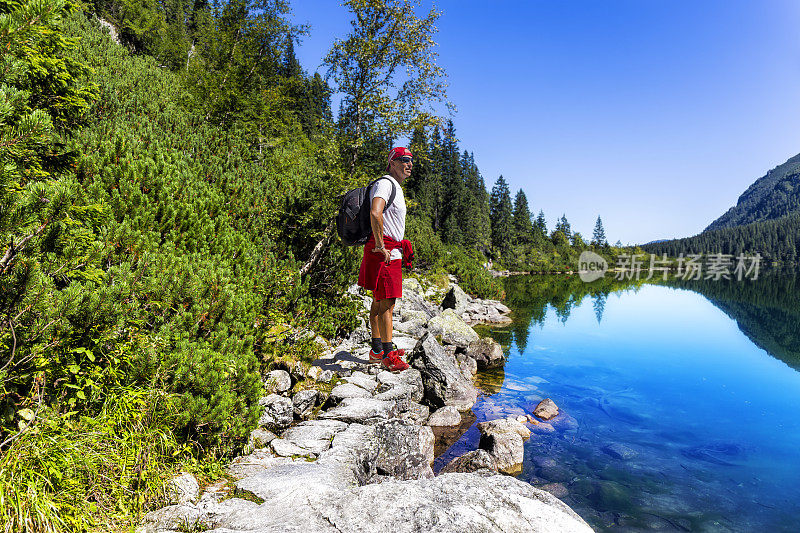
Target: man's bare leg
{"points": [[384, 318]]}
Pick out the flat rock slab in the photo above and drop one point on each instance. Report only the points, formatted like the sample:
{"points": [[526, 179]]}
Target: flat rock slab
{"points": [[361, 410], [348, 390], [312, 499], [284, 448], [365, 381], [315, 435], [254, 463]]}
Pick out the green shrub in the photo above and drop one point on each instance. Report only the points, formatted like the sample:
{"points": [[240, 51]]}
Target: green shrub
{"points": [[473, 277], [70, 473]]}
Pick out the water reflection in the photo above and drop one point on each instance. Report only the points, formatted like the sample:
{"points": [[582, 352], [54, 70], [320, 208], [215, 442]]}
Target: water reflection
{"points": [[767, 310], [671, 420]]}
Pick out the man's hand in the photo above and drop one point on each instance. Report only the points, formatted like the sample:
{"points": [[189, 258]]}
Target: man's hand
{"points": [[386, 254]]}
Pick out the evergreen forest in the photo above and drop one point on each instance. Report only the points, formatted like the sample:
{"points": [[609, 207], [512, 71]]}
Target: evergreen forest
{"points": [[169, 178]]}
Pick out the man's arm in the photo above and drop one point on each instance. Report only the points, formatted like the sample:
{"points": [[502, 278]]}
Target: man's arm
{"points": [[376, 221]]}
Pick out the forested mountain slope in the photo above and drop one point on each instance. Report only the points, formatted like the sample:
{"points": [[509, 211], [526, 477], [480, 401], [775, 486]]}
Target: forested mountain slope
{"points": [[772, 196]]}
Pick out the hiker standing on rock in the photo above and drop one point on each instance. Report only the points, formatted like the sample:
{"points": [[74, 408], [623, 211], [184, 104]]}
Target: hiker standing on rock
{"points": [[385, 253]]}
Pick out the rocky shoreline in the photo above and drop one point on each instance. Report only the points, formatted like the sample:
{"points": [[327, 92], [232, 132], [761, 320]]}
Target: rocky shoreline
{"points": [[352, 448]]}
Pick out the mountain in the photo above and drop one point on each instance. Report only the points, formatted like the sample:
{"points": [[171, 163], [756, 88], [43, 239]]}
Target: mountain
{"points": [[772, 196]]}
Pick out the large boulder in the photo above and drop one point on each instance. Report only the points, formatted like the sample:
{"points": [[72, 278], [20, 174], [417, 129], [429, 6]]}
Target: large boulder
{"points": [[449, 503], [412, 301], [452, 329], [278, 412], [408, 380], [503, 439], [278, 381], [443, 381], [405, 449], [455, 299], [471, 462], [487, 353]]}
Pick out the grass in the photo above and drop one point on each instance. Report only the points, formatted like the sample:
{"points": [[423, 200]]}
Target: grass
{"points": [[71, 473]]}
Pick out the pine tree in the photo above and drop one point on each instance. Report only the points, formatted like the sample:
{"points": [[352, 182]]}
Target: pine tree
{"points": [[564, 227], [290, 68], [541, 225], [523, 226], [454, 190], [501, 216], [599, 234]]}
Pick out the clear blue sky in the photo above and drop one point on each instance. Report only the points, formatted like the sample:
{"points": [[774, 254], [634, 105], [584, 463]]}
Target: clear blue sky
{"points": [[654, 114]]}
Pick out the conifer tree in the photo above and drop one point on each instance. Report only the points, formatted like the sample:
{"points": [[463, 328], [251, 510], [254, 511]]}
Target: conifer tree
{"points": [[290, 67], [564, 227], [501, 216], [523, 226], [454, 190], [599, 234], [541, 224]]}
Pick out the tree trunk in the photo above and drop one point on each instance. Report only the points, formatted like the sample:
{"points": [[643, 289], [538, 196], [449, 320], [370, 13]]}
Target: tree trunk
{"points": [[320, 248]]}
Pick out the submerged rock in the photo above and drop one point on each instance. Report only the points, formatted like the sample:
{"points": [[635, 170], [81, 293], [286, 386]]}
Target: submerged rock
{"points": [[546, 409], [620, 451]]}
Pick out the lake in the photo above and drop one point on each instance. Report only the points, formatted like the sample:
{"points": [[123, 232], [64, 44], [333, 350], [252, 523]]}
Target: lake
{"points": [[680, 401]]}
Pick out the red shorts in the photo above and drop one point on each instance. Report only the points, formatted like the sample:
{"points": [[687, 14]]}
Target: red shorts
{"points": [[384, 280]]}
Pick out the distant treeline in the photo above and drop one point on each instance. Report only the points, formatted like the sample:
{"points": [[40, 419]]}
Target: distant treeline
{"points": [[776, 240]]}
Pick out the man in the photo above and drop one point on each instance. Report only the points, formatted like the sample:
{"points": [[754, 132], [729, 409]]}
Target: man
{"points": [[381, 266]]}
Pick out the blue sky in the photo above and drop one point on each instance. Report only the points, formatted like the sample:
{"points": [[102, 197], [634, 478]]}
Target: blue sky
{"points": [[654, 114]]}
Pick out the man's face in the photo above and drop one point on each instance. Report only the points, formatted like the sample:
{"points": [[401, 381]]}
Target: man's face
{"points": [[402, 167]]}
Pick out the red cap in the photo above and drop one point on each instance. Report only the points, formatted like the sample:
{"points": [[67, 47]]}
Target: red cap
{"points": [[397, 153]]}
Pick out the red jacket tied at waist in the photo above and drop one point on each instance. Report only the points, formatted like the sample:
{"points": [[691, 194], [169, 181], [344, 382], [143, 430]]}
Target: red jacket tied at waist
{"points": [[373, 262]]}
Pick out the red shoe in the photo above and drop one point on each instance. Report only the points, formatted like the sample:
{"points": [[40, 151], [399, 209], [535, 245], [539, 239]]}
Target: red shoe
{"points": [[393, 363], [375, 358], [399, 351]]}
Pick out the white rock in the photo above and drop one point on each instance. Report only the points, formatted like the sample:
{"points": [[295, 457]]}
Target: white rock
{"points": [[446, 416]]}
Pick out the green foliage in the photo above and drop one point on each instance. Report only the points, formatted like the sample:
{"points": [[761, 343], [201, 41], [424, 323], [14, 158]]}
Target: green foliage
{"points": [[468, 266], [387, 38], [428, 248], [73, 473]]}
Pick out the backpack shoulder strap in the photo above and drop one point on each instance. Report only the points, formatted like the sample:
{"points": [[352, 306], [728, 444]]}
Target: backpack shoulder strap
{"points": [[391, 195]]}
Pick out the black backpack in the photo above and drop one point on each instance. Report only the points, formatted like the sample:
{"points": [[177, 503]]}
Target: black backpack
{"points": [[352, 221]]}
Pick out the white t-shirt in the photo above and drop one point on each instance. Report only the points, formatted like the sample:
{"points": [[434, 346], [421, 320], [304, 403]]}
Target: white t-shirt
{"points": [[394, 218]]}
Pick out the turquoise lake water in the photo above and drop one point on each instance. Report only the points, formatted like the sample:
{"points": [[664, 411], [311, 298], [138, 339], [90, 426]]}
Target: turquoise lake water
{"points": [[673, 418]]}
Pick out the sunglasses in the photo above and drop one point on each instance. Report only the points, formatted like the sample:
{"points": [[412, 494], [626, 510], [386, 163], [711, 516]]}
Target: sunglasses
{"points": [[404, 159]]}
